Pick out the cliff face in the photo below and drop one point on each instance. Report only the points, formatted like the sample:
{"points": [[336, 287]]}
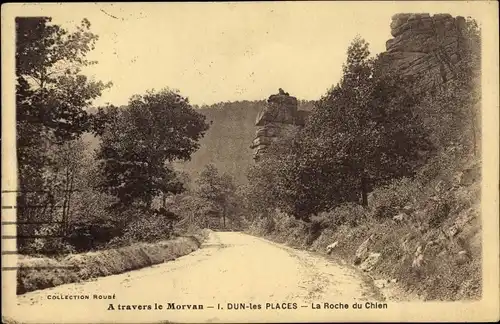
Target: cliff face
{"points": [[425, 47], [278, 118]]}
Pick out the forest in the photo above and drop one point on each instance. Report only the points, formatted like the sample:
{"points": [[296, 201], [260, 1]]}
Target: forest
{"points": [[377, 150]]}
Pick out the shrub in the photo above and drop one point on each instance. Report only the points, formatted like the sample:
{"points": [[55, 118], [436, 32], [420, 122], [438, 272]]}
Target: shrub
{"points": [[263, 225], [86, 237], [314, 231], [437, 211], [53, 244], [441, 166], [146, 226], [388, 200], [348, 213]]}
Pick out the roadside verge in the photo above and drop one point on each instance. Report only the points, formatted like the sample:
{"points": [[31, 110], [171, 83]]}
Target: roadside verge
{"points": [[36, 273]]}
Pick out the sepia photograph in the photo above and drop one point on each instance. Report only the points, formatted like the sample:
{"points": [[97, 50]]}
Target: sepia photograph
{"points": [[256, 162]]}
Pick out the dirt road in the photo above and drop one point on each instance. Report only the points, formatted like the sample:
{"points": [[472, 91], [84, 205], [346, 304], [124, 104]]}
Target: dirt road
{"points": [[272, 281]]}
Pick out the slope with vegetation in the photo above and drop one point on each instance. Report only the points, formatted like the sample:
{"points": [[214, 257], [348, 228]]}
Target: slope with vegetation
{"points": [[386, 172], [227, 144], [97, 186]]}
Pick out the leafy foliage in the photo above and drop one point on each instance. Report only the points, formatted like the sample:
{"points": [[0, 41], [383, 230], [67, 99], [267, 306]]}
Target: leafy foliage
{"points": [[220, 191], [51, 99], [371, 132], [58, 172], [155, 129], [196, 212], [363, 133], [227, 143], [50, 89]]}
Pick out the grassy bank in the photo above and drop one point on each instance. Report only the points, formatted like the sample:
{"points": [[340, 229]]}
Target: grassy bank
{"points": [[422, 234], [101, 263]]}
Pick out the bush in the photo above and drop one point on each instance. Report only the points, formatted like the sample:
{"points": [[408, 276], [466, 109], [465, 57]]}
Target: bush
{"points": [[441, 166], [389, 200], [262, 226], [87, 237], [348, 213], [146, 226], [54, 244], [314, 231], [437, 211], [269, 225]]}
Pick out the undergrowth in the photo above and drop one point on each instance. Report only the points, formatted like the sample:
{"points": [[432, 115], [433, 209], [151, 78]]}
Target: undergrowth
{"points": [[427, 230]]}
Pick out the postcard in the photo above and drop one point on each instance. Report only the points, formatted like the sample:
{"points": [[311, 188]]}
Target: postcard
{"points": [[250, 162]]}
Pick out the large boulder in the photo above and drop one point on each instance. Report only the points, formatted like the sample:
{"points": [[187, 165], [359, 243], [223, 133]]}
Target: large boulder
{"points": [[332, 246], [370, 262], [279, 118], [425, 47], [280, 108], [363, 250]]}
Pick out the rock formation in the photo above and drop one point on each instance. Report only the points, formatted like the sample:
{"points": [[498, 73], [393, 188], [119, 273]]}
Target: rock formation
{"points": [[425, 47], [278, 118]]}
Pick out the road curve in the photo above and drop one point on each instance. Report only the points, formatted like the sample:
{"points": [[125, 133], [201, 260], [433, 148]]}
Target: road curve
{"points": [[230, 268]]}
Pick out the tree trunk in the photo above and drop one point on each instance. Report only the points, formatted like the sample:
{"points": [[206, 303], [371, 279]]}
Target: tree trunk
{"points": [[364, 191], [70, 192], [224, 217], [65, 204]]}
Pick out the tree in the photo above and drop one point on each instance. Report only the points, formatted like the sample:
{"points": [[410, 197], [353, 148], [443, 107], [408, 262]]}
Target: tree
{"points": [[361, 134], [261, 191], [67, 173], [51, 101], [196, 212], [140, 142], [367, 125], [219, 189], [52, 92]]}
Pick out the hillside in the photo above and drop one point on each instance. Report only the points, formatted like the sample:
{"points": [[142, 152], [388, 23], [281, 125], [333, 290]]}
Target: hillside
{"points": [[420, 229], [418, 239], [227, 143]]}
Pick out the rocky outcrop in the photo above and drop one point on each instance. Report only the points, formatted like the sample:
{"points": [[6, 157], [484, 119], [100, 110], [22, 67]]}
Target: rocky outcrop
{"points": [[332, 246], [363, 250], [425, 47], [369, 263], [279, 118]]}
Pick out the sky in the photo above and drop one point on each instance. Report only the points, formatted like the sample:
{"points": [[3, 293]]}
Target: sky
{"points": [[213, 52]]}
